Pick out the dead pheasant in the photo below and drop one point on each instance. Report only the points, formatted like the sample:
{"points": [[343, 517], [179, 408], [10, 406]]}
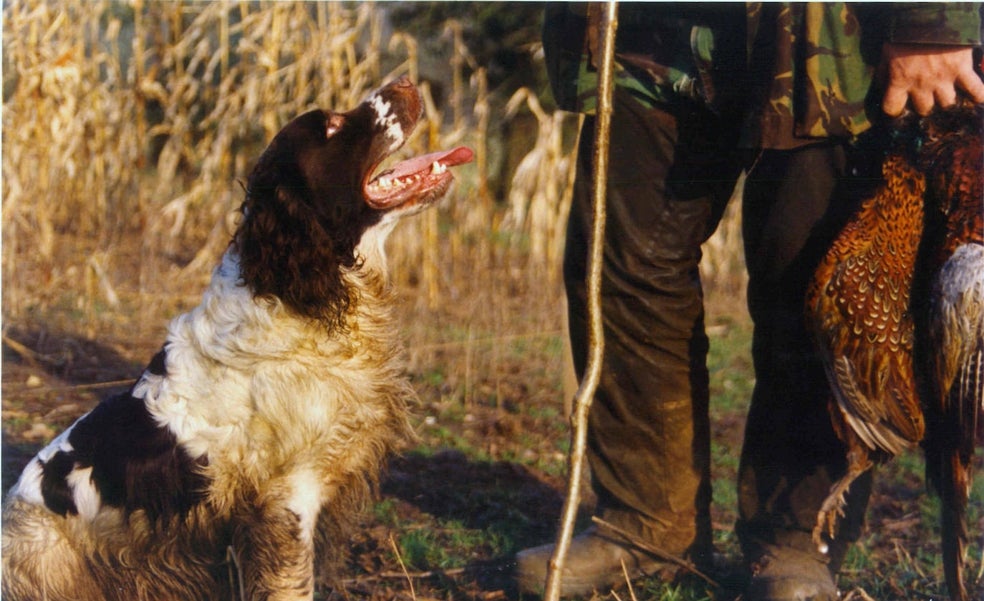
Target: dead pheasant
{"points": [[950, 333], [858, 310], [903, 281]]}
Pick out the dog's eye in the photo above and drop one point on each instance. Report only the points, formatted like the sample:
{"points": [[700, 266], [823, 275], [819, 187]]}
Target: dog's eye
{"points": [[335, 123]]}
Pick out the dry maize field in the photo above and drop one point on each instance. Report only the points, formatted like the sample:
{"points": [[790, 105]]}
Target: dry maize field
{"points": [[128, 131]]}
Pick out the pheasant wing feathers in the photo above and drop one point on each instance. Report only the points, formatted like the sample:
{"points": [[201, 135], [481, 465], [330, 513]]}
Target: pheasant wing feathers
{"points": [[857, 309]]}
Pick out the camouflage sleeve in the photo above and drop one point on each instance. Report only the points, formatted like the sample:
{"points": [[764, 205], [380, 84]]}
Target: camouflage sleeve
{"points": [[956, 23], [655, 54]]}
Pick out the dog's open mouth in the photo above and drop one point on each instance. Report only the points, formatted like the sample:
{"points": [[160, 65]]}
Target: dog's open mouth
{"points": [[417, 180]]}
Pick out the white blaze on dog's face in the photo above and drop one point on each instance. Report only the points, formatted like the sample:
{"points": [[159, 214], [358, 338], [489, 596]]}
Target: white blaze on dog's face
{"points": [[387, 121]]}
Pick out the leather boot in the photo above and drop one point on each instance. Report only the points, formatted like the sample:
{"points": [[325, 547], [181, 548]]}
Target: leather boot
{"points": [[788, 574], [594, 562]]}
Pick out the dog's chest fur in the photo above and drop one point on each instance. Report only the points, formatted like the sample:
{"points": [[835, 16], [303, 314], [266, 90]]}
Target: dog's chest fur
{"points": [[255, 394]]}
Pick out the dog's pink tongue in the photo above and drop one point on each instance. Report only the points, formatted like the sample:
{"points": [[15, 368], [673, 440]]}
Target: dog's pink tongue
{"points": [[448, 158]]}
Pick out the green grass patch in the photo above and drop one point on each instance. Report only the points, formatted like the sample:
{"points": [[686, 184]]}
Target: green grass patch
{"points": [[446, 545]]}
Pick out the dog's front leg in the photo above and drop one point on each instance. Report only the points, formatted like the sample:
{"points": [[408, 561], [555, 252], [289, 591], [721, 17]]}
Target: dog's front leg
{"points": [[276, 559], [275, 544]]}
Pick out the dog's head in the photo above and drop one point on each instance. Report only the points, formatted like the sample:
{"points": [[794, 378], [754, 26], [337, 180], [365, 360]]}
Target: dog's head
{"points": [[313, 195]]}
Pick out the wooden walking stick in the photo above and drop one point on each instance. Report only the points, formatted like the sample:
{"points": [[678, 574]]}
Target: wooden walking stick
{"points": [[589, 382]]}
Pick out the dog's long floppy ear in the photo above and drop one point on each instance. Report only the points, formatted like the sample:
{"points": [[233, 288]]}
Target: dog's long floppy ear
{"points": [[285, 251]]}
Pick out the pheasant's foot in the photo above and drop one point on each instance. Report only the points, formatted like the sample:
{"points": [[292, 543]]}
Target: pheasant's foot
{"points": [[830, 511]]}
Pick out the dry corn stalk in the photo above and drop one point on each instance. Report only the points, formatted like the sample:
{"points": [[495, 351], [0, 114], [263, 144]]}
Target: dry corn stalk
{"points": [[541, 189]]}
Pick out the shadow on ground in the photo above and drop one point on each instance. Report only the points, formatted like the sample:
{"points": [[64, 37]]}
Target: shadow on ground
{"points": [[506, 501]]}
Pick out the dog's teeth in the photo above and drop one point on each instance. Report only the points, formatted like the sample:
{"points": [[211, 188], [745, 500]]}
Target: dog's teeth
{"points": [[385, 183]]}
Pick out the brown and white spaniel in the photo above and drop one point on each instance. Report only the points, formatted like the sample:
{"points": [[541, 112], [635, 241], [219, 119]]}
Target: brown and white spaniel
{"points": [[259, 428]]}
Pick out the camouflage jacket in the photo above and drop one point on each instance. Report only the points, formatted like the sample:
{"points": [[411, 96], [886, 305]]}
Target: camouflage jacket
{"points": [[794, 72]]}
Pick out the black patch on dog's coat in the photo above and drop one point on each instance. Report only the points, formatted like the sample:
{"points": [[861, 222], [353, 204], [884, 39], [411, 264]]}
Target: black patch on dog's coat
{"points": [[136, 464], [158, 364], [55, 491]]}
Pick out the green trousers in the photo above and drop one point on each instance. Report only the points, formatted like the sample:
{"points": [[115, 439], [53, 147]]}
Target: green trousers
{"points": [[671, 175]]}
